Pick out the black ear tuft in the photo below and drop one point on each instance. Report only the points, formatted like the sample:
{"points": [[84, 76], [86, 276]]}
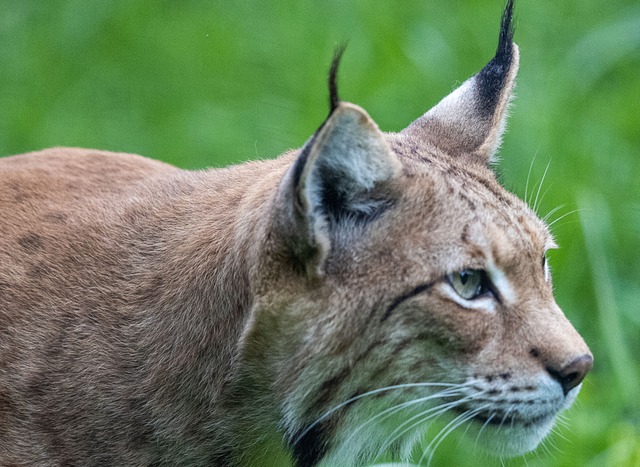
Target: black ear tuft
{"points": [[469, 122], [334, 99], [492, 77], [506, 32]]}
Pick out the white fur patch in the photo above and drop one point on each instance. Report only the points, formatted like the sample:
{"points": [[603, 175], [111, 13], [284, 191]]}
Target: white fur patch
{"points": [[501, 283]]}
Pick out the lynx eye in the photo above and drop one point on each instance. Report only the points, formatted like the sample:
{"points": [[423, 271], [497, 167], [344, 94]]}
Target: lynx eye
{"points": [[470, 284]]}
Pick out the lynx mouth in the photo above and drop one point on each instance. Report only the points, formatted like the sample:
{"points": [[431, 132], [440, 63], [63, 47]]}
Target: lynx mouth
{"points": [[506, 420]]}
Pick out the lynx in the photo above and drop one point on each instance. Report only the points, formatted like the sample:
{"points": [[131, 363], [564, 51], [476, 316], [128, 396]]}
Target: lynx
{"points": [[320, 308]]}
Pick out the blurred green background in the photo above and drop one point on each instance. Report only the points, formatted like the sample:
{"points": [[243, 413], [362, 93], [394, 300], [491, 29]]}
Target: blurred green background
{"points": [[207, 83]]}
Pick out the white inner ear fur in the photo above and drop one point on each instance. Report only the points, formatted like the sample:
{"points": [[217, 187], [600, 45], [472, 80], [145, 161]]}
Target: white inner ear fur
{"points": [[351, 146]]}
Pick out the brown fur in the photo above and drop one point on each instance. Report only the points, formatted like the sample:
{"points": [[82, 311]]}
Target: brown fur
{"points": [[150, 315]]}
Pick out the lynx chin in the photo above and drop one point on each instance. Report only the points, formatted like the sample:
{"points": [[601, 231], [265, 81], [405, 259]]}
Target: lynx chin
{"points": [[320, 308]]}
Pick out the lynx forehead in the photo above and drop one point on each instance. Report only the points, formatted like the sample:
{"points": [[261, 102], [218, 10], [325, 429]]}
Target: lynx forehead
{"points": [[321, 308]]}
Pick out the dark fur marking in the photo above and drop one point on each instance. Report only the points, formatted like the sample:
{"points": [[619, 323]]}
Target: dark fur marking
{"points": [[492, 77], [367, 351], [326, 390], [334, 98], [55, 218], [37, 271], [310, 448], [464, 237], [334, 101], [30, 242], [417, 290], [471, 204], [503, 199]]}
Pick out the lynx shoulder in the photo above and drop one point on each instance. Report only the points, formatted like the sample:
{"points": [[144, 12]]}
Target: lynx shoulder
{"points": [[319, 308]]}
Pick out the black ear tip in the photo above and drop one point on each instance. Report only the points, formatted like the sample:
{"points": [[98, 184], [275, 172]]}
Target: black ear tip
{"points": [[492, 78], [334, 98], [507, 30]]}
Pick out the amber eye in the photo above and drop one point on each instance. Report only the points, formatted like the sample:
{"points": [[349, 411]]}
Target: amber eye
{"points": [[470, 283]]}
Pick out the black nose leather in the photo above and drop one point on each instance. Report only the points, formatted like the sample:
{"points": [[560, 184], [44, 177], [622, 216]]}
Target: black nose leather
{"points": [[572, 375]]}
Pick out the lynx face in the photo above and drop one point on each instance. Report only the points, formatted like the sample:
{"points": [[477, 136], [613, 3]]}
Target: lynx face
{"points": [[444, 306], [320, 308]]}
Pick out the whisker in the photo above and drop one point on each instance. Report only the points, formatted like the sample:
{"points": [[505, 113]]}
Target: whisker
{"points": [[563, 216], [505, 416], [552, 442], [470, 416], [526, 187], [422, 417], [455, 423], [484, 425], [537, 453], [546, 190], [564, 423], [432, 412], [331, 411], [390, 411], [545, 445], [552, 212], [544, 175]]}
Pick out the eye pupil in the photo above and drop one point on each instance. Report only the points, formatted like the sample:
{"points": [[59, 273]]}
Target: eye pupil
{"points": [[464, 277]]}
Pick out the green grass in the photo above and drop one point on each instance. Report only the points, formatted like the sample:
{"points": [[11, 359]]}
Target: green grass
{"points": [[208, 83]]}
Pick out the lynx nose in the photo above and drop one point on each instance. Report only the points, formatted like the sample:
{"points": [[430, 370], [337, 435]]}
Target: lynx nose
{"points": [[572, 374]]}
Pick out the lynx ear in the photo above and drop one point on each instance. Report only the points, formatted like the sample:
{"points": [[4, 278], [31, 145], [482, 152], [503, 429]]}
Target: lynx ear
{"points": [[336, 184], [469, 122]]}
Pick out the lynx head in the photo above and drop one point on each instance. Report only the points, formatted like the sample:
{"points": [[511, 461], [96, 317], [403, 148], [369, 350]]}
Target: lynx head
{"points": [[400, 283]]}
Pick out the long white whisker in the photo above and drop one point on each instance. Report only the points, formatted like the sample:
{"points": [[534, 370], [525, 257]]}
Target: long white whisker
{"points": [[423, 416], [562, 422], [526, 187], [546, 190], [331, 411], [545, 446], [455, 423], [390, 411], [432, 412], [544, 175], [436, 437], [537, 453], [443, 434], [552, 212], [563, 216], [505, 416], [484, 425], [553, 444]]}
